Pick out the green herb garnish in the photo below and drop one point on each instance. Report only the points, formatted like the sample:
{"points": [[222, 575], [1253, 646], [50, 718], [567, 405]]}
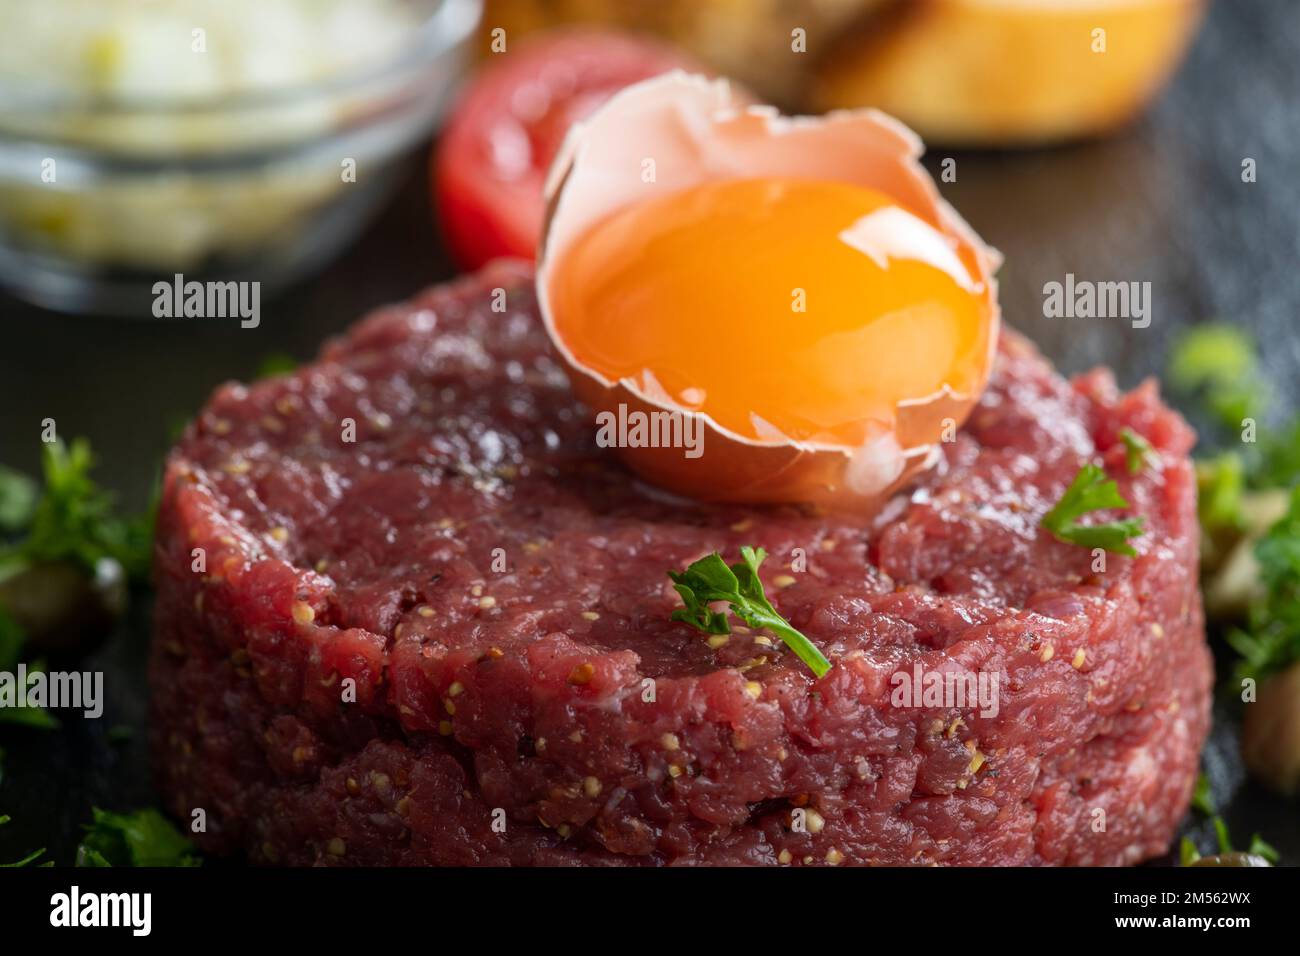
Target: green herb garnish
{"points": [[17, 500], [120, 734], [1221, 834], [1189, 854], [74, 520], [1259, 848], [1138, 452], [1237, 495], [1092, 491], [36, 717], [1257, 845], [276, 363], [143, 838], [1271, 639], [1220, 484], [25, 861], [29, 858], [1201, 798], [710, 579], [11, 641], [1218, 362], [1277, 464]]}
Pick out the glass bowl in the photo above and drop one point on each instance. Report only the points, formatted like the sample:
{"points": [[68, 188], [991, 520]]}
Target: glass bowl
{"points": [[102, 196]]}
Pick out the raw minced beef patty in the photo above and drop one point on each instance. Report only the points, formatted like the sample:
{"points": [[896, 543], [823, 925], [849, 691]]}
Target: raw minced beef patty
{"points": [[448, 642]]}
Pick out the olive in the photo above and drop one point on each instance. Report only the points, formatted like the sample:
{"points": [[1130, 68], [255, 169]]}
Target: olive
{"points": [[64, 609], [1236, 858]]}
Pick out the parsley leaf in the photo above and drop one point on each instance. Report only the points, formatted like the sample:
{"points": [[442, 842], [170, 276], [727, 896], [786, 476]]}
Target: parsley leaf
{"points": [[143, 838], [1221, 834], [29, 858], [11, 641], [1257, 845], [276, 363], [36, 717], [17, 500], [1138, 452], [1189, 855], [1092, 491], [1201, 798], [710, 579], [74, 520], [1218, 362], [1271, 639], [1259, 848], [1219, 365], [1220, 483], [1278, 461]]}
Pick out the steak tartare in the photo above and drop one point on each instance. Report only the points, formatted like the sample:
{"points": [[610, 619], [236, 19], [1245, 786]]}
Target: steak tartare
{"points": [[408, 613]]}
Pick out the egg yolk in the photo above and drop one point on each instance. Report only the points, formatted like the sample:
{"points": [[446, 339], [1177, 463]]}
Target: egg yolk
{"points": [[783, 308]]}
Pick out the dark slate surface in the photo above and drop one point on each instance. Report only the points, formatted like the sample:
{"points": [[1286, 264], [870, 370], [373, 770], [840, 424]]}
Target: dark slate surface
{"points": [[1162, 202]]}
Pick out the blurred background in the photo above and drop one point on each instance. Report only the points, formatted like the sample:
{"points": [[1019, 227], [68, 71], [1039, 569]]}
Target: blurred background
{"points": [[301, 144]]}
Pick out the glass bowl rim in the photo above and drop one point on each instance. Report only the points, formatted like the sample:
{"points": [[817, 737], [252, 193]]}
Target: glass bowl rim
{"points": [[448, 25]]}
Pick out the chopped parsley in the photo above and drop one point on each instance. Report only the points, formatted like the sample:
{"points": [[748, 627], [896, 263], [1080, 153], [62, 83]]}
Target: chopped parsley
{"points": [[1237, 495], [71, 520], [1220, 483], [1201, 798], [1218, 363], [25, 861], [276, 363], [1277, 462], [12, 639], [120, 734], [17, 500], [1221, 834], [29, 859], [36, 717], [1189, 854], [74, 520], [710, 579], [143, 838], [1270, 640], [1138, 452], [1203, 803], [1092, 491], [1260, 848]]}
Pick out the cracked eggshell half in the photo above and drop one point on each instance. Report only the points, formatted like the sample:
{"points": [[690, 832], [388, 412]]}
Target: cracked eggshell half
{"points": [[697, 131]]}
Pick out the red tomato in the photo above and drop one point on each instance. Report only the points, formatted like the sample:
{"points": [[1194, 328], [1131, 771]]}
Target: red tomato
{"points": [[490, 166]]}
